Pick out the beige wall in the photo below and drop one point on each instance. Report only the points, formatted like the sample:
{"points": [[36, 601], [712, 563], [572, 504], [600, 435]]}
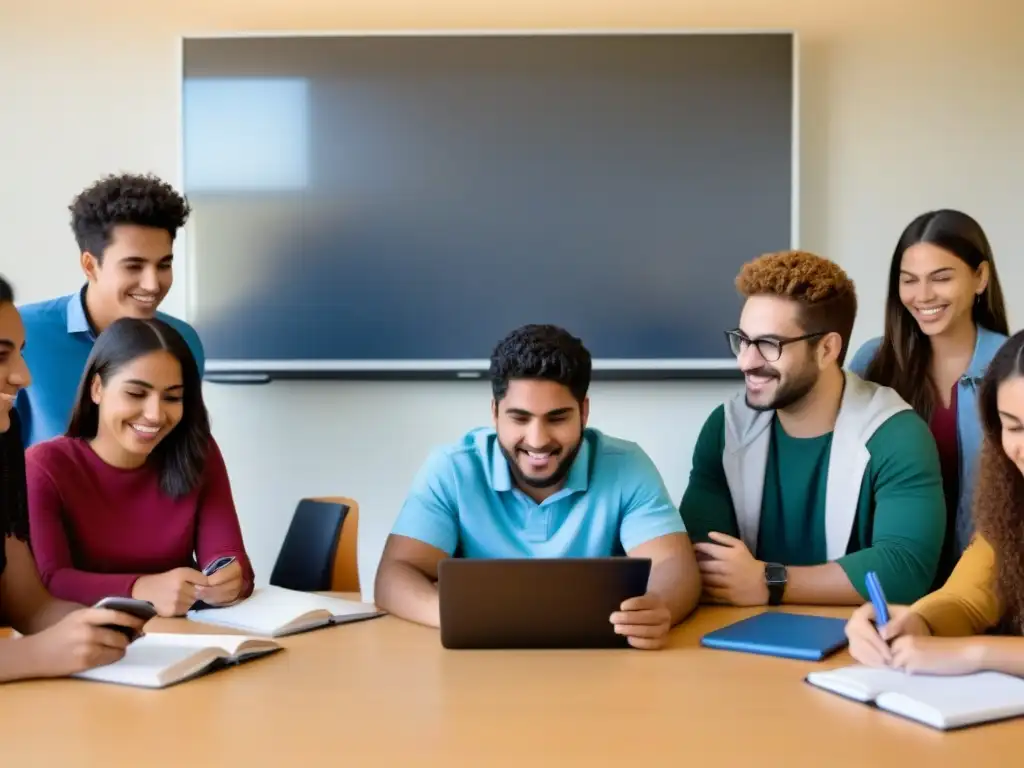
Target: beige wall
{"points": [[906, 105]]}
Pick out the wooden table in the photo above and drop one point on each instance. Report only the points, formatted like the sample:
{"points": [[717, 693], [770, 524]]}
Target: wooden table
{"points": [[385, 693]]}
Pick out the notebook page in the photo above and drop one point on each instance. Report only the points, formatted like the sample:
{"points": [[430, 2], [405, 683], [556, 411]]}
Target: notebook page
{"points": [[958, 699]]}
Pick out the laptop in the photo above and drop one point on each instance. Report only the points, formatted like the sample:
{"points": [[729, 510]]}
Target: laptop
{"points": [[536, 602], [777, 633]]}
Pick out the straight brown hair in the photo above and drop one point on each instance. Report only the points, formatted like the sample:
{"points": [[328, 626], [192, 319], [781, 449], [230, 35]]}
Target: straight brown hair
{"points": [[903, 359]]}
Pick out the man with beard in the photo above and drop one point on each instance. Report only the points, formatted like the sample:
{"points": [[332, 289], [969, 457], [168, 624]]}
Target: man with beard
{"points": [[540, 483], [812, 477]]}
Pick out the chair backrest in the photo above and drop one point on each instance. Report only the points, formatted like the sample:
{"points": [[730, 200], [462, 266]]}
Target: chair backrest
{"points": [[345, 576], [307, 556]]}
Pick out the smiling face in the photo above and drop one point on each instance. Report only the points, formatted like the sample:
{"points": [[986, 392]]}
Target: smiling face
{"points": [[540, 426], [140, 403], [135, 273], [1010, 402], [775, 383], [14, 374], [938, 288]]}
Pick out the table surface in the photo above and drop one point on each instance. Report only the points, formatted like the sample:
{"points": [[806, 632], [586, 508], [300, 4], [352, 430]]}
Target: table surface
{"points": [[384, 692]]}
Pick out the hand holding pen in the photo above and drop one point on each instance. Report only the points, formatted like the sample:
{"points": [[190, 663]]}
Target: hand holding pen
{"points": [[876, 624]]}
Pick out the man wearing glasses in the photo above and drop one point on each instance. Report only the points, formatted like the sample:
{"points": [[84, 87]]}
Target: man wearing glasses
{"points": [[812, 477]]}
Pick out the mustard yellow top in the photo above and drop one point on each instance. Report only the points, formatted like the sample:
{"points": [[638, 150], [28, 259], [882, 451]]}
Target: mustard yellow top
{"points": [[967, 604]]}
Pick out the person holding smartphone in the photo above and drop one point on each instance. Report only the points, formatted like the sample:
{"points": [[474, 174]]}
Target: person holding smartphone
{"points": [[134, 500], [60, 637], [976, 620]]}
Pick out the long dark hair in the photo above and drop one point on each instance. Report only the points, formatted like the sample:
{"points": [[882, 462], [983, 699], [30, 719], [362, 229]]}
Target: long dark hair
{"points": [[903, 360], [999, 492], [13, 501], [181, 455]]}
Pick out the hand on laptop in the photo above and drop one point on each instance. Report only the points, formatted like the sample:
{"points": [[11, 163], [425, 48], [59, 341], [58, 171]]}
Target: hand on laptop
{"points": [[644, 620], [729, 572]]}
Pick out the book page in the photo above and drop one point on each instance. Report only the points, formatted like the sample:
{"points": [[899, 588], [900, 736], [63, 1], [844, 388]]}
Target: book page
{"points": [[142, 663], [269, 608], [193, 641]]}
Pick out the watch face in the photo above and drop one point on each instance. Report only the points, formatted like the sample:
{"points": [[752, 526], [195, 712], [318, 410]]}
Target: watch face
{"points": [[775, 572]]}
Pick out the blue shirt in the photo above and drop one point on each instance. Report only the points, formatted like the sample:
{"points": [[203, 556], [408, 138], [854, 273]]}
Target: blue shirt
{"points": [[464, 502], [58, 340]]}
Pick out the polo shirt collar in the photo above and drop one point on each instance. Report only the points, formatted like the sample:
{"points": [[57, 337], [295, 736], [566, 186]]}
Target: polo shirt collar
{"points": [[78, 320], [578, 478]]}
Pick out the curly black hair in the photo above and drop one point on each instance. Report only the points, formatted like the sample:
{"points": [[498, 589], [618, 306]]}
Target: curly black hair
{"points": [[13, 503], [541, 352], [145, 200]]}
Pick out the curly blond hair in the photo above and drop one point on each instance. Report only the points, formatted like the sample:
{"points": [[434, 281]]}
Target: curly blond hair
{"points": [[825, 293]]}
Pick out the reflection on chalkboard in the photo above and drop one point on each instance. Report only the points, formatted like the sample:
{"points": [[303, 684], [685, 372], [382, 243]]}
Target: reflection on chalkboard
{"points": [[419, 196]]}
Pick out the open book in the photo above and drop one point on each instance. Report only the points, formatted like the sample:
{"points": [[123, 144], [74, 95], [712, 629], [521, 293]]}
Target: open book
{"points": [[274, 611], [941, 701], [163, 659]]}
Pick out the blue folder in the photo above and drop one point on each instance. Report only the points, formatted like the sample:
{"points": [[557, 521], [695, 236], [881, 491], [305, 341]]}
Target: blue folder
{"points": [[776, 633]]}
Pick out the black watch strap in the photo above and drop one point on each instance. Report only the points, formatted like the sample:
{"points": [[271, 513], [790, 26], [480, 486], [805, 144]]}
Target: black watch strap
{"points": [[775, 578]]}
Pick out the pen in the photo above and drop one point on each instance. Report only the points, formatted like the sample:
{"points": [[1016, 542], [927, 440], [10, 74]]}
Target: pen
{"points": [[877, 599]]}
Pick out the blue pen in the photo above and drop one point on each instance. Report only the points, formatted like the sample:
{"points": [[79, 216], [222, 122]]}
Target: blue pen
{"points": [[877, 599]]}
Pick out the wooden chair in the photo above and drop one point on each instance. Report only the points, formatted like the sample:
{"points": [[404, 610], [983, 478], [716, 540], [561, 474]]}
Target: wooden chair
{"points": [[320, 550]]}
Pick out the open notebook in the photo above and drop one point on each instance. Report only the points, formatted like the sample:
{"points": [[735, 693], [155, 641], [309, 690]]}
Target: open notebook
{"points": [[274, 611], [943, 702], [163, 659]]}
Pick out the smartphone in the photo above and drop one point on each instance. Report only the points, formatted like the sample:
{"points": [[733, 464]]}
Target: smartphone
{"points": [[218, 564], [140, 609]]}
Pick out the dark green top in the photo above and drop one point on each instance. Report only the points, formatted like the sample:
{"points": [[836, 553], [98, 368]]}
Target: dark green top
{"points": [[901, 512]]}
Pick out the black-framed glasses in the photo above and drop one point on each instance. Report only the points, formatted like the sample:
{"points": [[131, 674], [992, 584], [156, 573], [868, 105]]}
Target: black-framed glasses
{"points": [[769, 348]]}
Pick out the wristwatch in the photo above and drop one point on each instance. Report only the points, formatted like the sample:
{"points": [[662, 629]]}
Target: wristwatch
{"points": [[775, 578]]}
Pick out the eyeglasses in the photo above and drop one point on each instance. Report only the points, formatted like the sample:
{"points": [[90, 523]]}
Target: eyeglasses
{"points": [[768, 348]]}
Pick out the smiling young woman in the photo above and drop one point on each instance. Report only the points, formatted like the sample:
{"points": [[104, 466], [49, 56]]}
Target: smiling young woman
{"points": [[135, 498], [951, 630], [59, 637], [944, 321]]}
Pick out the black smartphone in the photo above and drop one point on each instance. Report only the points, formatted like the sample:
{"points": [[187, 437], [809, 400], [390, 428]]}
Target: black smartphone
{"points": [[140, 609]]}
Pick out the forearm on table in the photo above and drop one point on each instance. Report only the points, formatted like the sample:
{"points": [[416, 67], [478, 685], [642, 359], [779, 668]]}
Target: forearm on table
{"points": [[681, 598], [404, 591], [825, 584], [49, 613], [999, 654], [17, 659], [678, 587]]}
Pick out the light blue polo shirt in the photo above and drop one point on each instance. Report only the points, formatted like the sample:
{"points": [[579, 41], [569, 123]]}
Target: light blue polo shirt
{"points": [[464, 502], [58, 341]]}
